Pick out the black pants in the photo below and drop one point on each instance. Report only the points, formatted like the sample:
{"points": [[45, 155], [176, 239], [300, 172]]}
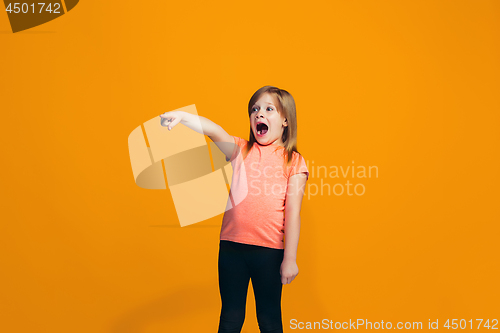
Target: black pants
{"points": [[238, 263]]}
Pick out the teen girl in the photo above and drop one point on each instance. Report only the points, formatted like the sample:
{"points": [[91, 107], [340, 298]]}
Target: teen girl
{"points": [[269, 177]]}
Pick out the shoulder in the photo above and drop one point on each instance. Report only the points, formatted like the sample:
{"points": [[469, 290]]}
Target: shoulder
{"points": [[239, 141], [298, 165], [297, 157]]}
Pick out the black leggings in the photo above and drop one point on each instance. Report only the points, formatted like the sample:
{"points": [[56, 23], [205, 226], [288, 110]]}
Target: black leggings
{"points": [[237, 264]]}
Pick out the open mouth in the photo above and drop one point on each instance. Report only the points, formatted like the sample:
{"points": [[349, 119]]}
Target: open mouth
{"points": [[261, 129]]}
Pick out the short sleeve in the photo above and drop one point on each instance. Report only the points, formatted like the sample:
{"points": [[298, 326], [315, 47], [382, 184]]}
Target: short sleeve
{"points": [[240, 143], [299, 166]]}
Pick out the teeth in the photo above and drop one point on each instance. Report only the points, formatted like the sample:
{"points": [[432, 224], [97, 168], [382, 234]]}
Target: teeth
{"points": [[258, 132]]}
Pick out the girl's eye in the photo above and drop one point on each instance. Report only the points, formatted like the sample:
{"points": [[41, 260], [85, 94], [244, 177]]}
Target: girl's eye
{"points": [[269, 108], [254, 109]]}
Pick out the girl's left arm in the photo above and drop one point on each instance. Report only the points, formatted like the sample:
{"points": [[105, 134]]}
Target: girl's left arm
{"points": [[293, 203]]}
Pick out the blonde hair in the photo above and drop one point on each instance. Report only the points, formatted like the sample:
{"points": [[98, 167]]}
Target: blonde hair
{"points": [[286, 108]]}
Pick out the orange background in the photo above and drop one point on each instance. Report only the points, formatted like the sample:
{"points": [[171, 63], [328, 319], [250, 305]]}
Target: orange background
{"points": [[409, 87]]}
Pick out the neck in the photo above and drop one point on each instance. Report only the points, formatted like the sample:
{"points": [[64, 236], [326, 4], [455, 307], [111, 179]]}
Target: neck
{"points": [[275, 143]]}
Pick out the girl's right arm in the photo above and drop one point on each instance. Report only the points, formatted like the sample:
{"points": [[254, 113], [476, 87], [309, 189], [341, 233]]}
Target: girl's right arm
{"points": [[201, 125]]}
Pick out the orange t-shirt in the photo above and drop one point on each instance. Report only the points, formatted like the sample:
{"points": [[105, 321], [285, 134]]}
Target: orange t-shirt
{"points": [[258, 190]]}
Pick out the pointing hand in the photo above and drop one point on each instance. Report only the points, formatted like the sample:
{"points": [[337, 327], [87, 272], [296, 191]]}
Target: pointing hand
{"points": [[170, 119]]}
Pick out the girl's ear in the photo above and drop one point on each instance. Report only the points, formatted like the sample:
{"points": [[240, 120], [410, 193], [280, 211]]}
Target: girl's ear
{"points": [[285, 123]]}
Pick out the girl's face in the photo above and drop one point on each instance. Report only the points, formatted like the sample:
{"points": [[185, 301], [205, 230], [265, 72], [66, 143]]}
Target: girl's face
{"points": [[267, 124]]}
